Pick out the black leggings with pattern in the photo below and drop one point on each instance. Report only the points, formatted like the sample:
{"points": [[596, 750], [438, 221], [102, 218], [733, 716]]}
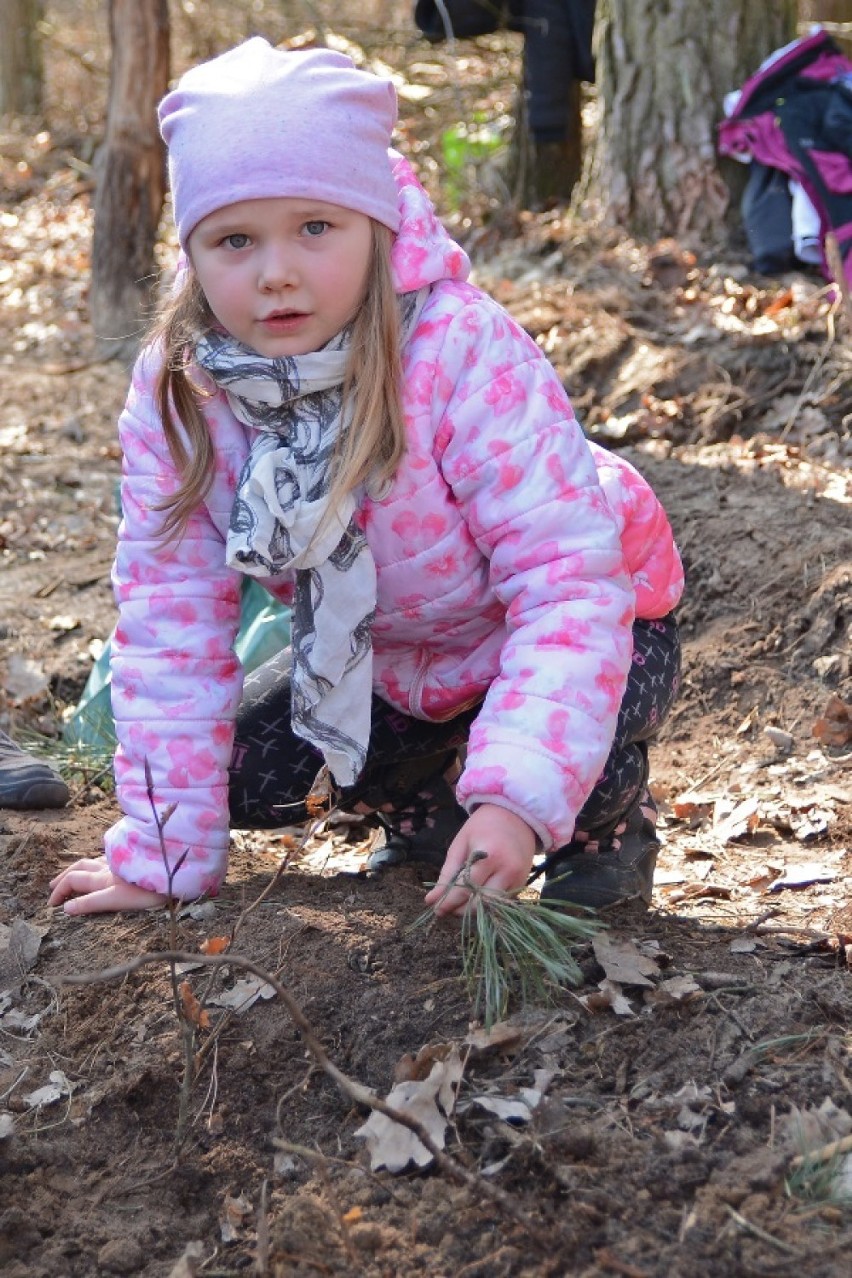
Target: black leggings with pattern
{"points": [[272, 770]]}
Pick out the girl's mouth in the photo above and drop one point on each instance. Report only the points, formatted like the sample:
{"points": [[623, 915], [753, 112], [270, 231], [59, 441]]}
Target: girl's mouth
{"points": [[284, 321]]}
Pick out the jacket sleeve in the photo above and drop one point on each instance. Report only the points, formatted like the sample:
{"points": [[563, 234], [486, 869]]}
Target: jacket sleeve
{"points": [[176, 682], [524, 477]]}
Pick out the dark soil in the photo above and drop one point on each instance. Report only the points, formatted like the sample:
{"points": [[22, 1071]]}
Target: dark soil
{"points": [[665, 1140]]}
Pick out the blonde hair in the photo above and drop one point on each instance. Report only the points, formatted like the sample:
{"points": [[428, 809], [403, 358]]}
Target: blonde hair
{"points": [[371, 391]]}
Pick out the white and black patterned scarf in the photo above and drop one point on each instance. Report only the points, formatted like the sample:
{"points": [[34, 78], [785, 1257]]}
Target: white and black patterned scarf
{"points": [[281, 522]]}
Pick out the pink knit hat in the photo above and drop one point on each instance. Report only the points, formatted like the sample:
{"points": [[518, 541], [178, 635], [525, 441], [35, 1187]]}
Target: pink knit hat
{"points": [[258, 122]]}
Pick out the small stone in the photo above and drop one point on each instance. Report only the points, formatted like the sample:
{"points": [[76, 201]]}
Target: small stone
{"points": [[121, 1256], [780, 739]]}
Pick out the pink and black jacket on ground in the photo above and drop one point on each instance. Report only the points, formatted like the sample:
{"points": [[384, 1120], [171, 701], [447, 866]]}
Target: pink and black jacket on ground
{"points": [[795, 115], [512, 557]]}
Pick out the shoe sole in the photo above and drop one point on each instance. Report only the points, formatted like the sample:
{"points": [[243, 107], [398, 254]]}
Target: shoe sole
{"points": [[37, 794]]}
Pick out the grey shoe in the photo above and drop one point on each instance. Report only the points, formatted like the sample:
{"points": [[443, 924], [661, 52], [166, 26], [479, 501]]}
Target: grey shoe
{"points": [[27, 782], [620, 869]]}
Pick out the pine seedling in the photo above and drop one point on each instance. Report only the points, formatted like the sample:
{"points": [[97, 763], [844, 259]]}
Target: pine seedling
{"points": [[188, 1011], [821, 1180], [513, 945], [87, 762]]}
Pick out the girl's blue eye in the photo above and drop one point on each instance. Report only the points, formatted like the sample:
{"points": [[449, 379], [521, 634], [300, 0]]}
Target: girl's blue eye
{"points": [[237, 240], [315, 228]]}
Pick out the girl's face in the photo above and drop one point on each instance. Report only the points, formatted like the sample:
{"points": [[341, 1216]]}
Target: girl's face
{"points": [[283, 275]]}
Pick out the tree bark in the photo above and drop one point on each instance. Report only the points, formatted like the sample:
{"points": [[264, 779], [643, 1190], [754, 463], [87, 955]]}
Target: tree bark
{"points": [[835, 14], [664, 67], [132, 177], [21, 73]]}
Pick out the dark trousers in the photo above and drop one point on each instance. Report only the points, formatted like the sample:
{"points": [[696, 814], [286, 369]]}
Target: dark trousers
{"points": [[557, 47], [272, 769]]}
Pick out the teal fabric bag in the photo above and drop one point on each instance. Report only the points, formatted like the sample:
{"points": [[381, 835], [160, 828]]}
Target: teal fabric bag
{"points": [[264, 630]]}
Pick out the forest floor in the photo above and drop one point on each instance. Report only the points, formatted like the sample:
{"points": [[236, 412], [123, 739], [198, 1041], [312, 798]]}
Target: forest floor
{"points": [[660, 1119]]}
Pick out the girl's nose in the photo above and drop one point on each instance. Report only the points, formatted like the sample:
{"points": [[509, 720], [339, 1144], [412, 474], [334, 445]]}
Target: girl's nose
{"points": [[277, 270]]}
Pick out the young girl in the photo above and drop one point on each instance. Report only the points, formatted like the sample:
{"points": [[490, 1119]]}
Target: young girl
{"points": [[328, 406]]}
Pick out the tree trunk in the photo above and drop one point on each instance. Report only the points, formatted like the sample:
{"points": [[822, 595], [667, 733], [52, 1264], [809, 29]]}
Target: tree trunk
{"points": [[21, 77], [663, 70], [132, 176], [835, 14]]}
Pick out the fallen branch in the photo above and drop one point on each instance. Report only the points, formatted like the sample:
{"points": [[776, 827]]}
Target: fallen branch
{"points": [[350, 1087]]}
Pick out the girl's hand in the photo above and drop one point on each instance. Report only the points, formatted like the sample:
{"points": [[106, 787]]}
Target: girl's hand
{"points": [[90, 887], [509, 847]]}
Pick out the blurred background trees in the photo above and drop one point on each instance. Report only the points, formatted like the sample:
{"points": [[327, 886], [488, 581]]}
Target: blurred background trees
{"points": [[131, 181], [21, 71], [647, 127]]}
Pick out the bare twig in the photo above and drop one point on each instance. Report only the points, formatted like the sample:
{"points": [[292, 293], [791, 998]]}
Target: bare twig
{"points": [[317, 1155], [835, 265], [261, 1264], [762, 1234], [825, 1153], [812, 375], [350, 1087], [615, 1265], [18, 1080], [188, 1028]]}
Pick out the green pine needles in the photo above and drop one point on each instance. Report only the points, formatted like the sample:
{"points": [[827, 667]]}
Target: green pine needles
{"points": [[514, 947]]}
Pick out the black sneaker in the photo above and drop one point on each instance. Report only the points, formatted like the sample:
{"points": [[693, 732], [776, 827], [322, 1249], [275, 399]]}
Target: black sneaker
{"points": [[620, 868], [421, 831], [26, 782]]}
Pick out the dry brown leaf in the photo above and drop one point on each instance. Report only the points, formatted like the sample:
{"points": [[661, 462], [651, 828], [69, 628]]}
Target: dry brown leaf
{"points": [[744, 819], [418, 1067], [781, 303], [215, 945], [237, 1216], [243, 994], [500, 1037], [192, 1009], [676, 989], [696, 890], [691, 809], [810, 872], [430, 1101], [624, 962], [609, 995], [748, 722], [835, 726]]}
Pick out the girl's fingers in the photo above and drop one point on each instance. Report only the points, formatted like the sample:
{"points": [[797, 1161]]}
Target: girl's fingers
{"points": [[453, 903], [485, 873], [456, 899], [74, 881], [85, 863], [97, 902]]}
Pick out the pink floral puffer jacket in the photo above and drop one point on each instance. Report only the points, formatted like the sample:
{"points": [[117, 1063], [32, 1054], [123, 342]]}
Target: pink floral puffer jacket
{"points": [[512, 557]]}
